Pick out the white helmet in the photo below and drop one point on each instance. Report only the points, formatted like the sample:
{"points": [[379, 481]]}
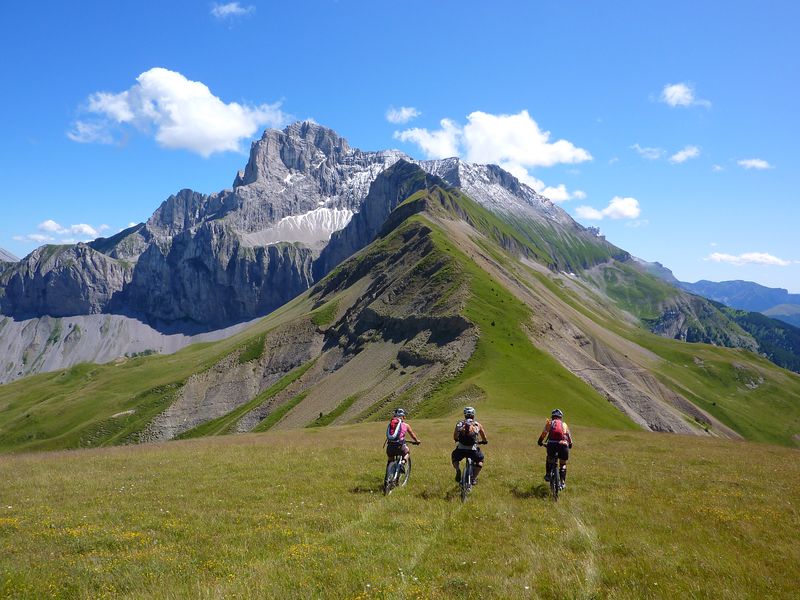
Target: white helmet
{"points": [[469, 412]]}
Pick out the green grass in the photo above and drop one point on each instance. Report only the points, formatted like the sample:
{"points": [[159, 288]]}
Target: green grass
{"points": [[252, 350], [327, 419], [227, 422], [506, 372], [99, 405], [299, 514], [281, 411], [324, 315]]}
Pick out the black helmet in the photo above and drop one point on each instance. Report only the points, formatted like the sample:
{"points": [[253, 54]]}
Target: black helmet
{"points": [[557, 414]]}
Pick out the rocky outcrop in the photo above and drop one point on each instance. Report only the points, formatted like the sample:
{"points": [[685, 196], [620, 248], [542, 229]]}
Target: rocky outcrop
{"points": [[61, 281], [208, 277]]}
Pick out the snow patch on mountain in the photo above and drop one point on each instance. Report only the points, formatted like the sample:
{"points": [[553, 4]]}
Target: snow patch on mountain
{"points": [[313, 228]]}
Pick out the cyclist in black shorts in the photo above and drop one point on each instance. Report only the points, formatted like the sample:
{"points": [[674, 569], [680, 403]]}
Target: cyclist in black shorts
{"points": [[466, 435], [559, 441]]}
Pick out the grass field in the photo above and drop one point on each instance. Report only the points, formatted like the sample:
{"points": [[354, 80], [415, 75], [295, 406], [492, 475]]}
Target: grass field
{"points": [[299, 514]]}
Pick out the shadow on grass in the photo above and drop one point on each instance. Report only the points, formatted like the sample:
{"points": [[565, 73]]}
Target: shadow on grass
{"points": [[368, 483], [441, 492], [536, 490]]}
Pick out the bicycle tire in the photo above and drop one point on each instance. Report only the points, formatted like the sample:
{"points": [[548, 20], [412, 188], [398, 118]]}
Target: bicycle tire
{"points": [[403, 477], [466, 481], [555, 482], [390, 480]]}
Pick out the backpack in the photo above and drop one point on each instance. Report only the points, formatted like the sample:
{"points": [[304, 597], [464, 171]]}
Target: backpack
{"points": [[557, 430], [394, 430], [466, 434]]}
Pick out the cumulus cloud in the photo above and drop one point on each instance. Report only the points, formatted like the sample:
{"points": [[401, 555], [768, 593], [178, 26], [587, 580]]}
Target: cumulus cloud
{"points": [[648, 153], [681, 94], [401, 115], [50, 231], [515, 142], [618, 208], [754, 163], [748, 258], [181, 114], [683, 155], [231, 10]]}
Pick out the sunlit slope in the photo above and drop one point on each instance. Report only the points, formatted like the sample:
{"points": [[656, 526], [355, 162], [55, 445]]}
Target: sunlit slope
{"points": [[440, 311], [297, 514]]}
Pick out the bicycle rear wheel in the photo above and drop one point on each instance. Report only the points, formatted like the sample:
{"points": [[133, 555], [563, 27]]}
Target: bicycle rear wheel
{"points": [[405, 472], [555, 483], [466, 480], [390, 480]]}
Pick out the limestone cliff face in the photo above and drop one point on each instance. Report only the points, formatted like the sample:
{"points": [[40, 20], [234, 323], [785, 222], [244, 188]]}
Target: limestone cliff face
{"points": [[61, 281], [207, 276]]}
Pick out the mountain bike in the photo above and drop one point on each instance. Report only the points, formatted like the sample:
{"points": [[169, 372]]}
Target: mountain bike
{"points": [[554, 476], [555, 481], [467, 479], [397, 471]]}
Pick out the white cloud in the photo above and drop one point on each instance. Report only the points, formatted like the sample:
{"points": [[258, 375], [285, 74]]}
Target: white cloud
{"points": [[404, 114], [230, 10], [717, 168], [748, 258], [37, 238], [50, 231], [754, 163], [183, 113], [85, 132], [514, 142], [683, 155], [618, 208], [579, 195], [648, 153], [681, 94]]}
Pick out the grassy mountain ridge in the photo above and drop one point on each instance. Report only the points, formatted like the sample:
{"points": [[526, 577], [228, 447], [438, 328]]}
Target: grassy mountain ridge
{"points": [[435, 313]]}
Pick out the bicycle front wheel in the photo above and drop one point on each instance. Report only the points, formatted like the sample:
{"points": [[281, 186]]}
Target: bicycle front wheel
{"points": [[390, 480], [405, 472]]}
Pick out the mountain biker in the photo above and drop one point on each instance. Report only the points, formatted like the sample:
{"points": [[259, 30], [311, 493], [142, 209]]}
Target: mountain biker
{"points": [[559, 441], [466, 435], [396, 436]]}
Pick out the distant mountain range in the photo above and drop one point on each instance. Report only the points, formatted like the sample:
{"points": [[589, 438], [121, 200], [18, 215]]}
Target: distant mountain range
{"points": [[777, 303], [332, 284]]}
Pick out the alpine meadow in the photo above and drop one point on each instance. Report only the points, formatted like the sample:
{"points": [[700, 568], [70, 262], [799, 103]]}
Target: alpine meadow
{"points": [[194, 402]]}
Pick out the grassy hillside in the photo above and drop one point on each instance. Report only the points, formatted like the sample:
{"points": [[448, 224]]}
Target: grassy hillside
{"points": [[299, 514], [411, 293]]}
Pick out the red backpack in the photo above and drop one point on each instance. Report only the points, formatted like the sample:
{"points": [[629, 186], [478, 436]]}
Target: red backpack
{"points": [[394, 430], [557, 430]]}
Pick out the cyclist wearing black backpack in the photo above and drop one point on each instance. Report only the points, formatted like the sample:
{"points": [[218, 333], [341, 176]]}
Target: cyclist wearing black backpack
{"points": [[559, 441], [466, 435]]}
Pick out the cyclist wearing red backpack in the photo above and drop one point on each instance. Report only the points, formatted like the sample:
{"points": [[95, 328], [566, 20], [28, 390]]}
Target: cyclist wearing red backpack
{"points": [[559, 441], [466, 434], [396, 436]]}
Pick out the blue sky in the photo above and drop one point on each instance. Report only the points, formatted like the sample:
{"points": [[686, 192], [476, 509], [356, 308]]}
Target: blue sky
{"points": [[669, 125]]}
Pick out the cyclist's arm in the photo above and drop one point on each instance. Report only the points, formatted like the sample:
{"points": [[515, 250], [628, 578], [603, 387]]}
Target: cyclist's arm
{"points": [[543, 435], [482, 433], [413, 435], [569, 437], [455, 433]]}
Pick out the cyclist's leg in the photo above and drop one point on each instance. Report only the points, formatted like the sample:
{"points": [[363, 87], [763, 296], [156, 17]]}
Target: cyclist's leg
{"points": [[549, 461], [455, 458], [563, 457], [477, 463]]}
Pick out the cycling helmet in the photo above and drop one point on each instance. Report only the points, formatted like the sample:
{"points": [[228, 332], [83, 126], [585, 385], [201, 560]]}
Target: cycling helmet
{"points": [[399, 412], [557, 413], [469, 412]]}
